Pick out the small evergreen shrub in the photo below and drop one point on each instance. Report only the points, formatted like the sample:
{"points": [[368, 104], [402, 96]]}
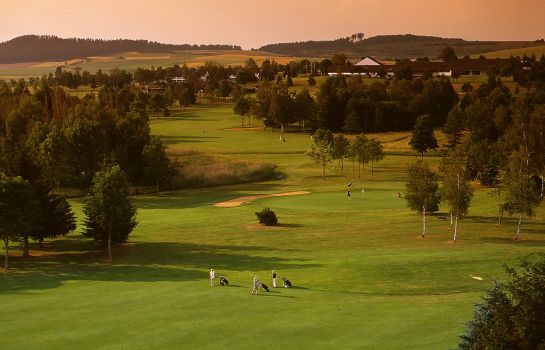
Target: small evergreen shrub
{"points": [[266, 217]]}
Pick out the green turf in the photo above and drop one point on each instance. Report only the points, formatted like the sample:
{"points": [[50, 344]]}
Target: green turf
{"points": [[363, 278]]}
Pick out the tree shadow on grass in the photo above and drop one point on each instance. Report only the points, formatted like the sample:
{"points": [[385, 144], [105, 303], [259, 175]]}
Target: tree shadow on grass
{"points": [[266, 294], [135, 262], [199, 198], [509, 240], [170, 140]]}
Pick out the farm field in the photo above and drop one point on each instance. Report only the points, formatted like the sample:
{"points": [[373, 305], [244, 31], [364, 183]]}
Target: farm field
{"points": [[129, 61], [528, 51], [363, 278]]}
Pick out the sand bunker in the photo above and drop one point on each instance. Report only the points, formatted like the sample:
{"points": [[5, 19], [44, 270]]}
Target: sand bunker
{"points": [[247, 199]]}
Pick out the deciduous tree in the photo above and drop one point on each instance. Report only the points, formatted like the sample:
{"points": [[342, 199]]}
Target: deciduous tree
{"points": [[422, 190], [423, 138], [109, 214], [375, 152], [15, 203], [321, 150], [457, 190]]}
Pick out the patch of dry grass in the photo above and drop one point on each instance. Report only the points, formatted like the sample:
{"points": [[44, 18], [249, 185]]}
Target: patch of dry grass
{"points": [[198, 169]]}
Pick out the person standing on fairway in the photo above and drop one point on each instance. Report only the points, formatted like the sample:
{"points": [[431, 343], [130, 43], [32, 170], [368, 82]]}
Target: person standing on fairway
{"points": [[348, 193], [212, 275], [274, 278], [255, 287]]}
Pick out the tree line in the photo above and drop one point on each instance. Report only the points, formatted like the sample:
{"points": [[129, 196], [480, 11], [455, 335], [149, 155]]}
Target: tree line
{"points": [[494, 137], [327, 148], [49, 140], [389, 46], [32, 48]]}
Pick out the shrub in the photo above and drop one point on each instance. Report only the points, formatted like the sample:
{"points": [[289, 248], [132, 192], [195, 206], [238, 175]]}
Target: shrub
{"points": [[266, 217]]}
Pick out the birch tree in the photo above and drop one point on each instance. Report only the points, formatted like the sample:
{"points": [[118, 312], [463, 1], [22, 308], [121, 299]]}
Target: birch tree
{"points": [[340, 149], [359, 152], [422, 191], [457, 190], [521, 198], [321, 150], [375, 152]]}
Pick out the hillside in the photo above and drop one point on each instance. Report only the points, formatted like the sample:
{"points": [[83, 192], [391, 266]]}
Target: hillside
{"points": [[34, 48], [528, 51], [391, 46]]}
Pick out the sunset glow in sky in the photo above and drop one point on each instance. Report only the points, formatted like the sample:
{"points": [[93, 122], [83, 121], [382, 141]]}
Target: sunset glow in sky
{"points": [[255, 23]]}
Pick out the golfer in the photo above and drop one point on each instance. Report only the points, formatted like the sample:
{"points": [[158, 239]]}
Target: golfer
{"points": [[212, 275], [255, 287], [274, 278], [348, 193]]}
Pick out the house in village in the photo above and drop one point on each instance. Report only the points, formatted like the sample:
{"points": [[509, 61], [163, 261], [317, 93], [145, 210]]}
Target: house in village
{"points": [[178, 79], [372, 67]]}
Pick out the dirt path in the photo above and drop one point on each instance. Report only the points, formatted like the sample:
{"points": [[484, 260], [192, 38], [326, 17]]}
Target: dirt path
{"points": [[247, 199]]}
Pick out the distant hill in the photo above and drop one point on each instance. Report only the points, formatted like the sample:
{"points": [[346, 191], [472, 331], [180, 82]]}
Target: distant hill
{"points": [[33, 48], [391, 46], [528, 51]]}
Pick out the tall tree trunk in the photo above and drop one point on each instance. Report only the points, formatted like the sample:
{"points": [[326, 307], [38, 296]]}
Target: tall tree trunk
{"points": [[423, 221], [156, 186], [26, 248], [518, 227], [422, 156], [303, 125], [372, 173], [109, 244], [282, 128], [323, 171], [542, 184], [6, 254], [359, 169], [242, 121], [499, 210], [342, 164], [456, 228]]}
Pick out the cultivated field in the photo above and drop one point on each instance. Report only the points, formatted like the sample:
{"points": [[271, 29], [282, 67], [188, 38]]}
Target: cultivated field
{"points": [[131, 60], [362, 276], [529, 51]]}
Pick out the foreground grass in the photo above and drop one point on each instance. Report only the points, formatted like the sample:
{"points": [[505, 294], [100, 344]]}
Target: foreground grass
{"points": [[363, 278]]}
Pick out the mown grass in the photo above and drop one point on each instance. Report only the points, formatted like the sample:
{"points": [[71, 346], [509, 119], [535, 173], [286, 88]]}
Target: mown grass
{"points": [[363, 278]]}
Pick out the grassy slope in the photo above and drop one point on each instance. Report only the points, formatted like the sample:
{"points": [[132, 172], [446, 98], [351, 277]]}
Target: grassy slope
{"points": [[364, 279], [529, 51]]}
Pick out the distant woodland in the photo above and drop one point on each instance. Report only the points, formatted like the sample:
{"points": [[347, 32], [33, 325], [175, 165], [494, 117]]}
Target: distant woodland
{"points": [[390, 46], [30, 48]]}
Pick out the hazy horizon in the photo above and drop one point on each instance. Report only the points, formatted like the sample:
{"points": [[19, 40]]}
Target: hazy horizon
{"points": [[252, 25]]}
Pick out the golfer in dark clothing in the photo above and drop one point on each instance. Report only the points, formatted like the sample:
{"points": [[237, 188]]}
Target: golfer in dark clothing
{"points": [[348, 193]]}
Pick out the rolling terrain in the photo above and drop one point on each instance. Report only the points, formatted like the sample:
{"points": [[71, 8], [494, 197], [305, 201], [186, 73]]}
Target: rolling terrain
{"points": [[362, 276]]}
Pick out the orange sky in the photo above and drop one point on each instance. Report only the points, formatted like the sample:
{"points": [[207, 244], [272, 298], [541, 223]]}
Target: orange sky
{"points": [[252, 23]]}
